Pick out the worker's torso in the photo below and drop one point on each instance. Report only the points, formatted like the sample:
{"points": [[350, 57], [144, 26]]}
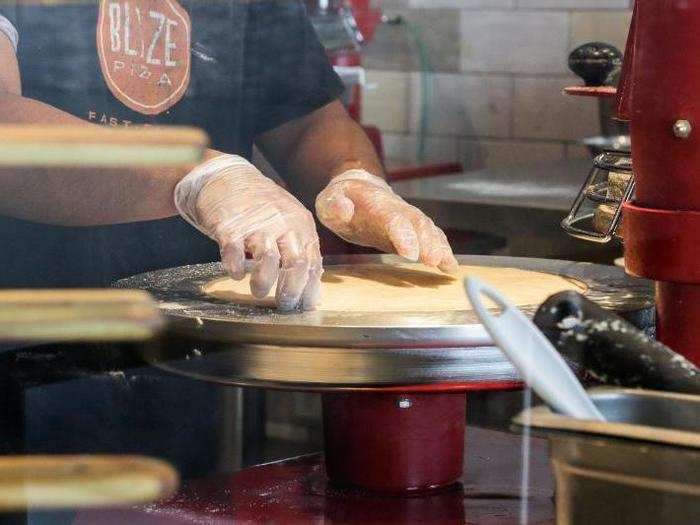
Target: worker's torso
{"points": [[200, 63], [130, 62]]}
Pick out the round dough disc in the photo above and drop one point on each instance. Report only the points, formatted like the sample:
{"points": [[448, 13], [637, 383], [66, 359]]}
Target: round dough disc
{"points": [[406, 288]]}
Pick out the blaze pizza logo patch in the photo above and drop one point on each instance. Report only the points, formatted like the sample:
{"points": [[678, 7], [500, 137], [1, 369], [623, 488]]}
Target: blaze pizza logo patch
{"points": [[144, 50]]}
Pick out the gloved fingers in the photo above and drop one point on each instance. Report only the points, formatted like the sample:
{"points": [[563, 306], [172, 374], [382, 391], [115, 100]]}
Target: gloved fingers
{"points": [[294, 270], [431, 246], [400, 231], [449, 263], [266, 260], [334, 208], [311, 297], [233, 259]]}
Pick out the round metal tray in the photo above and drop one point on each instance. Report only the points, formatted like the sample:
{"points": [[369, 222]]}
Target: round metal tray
{"points": [[313, 368], [193, 314], [216, 341]]}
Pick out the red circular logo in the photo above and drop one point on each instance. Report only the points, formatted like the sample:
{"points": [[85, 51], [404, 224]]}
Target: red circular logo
{"points": [[144, 50]]}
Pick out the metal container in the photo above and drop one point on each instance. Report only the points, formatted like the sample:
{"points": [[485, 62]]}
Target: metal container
{"points": [[641, 466]]}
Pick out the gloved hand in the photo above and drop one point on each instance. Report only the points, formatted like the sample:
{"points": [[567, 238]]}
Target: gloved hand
{"points": [[229, 200], [363, 209]]}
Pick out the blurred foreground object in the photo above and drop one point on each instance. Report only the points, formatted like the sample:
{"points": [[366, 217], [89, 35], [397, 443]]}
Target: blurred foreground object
{"points": [[69, 482], [23, 145], [77, 315]]}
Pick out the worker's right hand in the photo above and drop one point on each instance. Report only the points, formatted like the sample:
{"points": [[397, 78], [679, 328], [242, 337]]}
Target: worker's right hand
{"points": [[229, 200]]}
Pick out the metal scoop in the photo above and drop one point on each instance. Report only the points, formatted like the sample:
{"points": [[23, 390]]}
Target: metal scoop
{"points": [[532, 354]]}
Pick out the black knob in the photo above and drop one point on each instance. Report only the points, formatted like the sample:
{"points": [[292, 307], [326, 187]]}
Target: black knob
{"points": [[595, 62]]}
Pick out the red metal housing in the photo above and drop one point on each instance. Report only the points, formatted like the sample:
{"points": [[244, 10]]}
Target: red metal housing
{"points": [[660, 94]]}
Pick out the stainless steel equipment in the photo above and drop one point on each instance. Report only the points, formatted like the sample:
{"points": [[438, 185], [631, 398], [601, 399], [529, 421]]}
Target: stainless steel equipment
{"points": [[597, 209], [393, 383], [596, 212], [641, 466], [313, 350]]}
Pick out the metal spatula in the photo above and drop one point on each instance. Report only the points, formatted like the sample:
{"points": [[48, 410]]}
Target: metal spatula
{"points": [[531, 353]]}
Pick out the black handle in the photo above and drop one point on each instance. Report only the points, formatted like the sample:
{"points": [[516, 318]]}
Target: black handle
{"points": [[595, 62], [611, 349]]}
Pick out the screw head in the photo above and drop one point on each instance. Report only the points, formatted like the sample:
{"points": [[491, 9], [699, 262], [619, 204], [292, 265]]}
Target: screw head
{"points": [[682, 129], [404, 403]]}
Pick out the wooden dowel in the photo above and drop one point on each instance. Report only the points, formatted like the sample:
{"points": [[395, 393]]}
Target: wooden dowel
{"points": [[77, 315], [69, 482]]}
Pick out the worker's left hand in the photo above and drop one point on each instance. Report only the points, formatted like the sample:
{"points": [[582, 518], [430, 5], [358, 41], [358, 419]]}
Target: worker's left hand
{"points": [[363, 209]]}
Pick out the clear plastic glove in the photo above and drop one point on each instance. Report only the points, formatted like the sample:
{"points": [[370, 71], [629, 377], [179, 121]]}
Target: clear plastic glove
{"points": [[363, 209], [229, 200]]}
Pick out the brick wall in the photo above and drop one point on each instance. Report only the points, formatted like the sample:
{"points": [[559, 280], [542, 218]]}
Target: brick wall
{"points": [[499, 66]]}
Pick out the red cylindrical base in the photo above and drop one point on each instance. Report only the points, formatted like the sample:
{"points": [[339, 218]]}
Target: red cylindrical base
{"points": [[678, 315], [394, 442]]}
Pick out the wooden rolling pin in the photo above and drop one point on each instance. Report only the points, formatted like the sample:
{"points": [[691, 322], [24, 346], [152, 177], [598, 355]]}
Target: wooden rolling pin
{"points": [[77, 315], [611, 349], [28, 145], [69, 482]]}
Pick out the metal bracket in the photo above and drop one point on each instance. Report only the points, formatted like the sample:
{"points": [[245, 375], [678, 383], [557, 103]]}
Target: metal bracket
{"points": [[595, 193]]}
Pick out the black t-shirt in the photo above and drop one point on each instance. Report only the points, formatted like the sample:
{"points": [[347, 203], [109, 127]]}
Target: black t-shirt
{"points": [[234, 68]]}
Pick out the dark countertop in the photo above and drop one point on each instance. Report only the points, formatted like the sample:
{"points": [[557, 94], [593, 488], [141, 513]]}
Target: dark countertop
{"points": [[296, 491]]}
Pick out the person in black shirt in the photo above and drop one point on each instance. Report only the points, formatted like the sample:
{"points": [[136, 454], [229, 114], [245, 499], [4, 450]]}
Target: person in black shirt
{"points": [[244, 71]]}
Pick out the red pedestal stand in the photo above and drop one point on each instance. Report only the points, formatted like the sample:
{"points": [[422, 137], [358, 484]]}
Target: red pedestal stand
{"points": [[401, 439], [394, 442]]}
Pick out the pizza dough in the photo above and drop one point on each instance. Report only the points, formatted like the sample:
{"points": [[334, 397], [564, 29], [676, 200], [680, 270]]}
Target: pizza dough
{"points": [[406, 288]]}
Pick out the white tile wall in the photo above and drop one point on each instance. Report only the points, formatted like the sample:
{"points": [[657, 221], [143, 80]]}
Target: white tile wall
{"points": [[514, 41], [401, 150], [541, 111], [463, 105], [601, 26], [386, 100], [574, 4], [479, 154], [461, 4], [504, 107]]}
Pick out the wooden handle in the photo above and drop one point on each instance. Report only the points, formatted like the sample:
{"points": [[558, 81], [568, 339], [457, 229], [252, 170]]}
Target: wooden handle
{"points": [[588, 91], [77, 315], [68, 482], [25, 145]]}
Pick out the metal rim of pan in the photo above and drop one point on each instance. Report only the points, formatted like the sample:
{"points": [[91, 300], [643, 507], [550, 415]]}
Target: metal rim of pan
{"points": [[216, 341]]}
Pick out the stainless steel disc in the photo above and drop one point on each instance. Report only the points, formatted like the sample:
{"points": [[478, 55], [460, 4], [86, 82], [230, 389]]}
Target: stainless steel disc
{"points": [[324, 368], [217, 341], [198, 316]]}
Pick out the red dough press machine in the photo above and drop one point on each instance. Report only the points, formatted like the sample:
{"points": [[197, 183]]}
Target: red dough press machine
{"points": [[659, 94]]}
